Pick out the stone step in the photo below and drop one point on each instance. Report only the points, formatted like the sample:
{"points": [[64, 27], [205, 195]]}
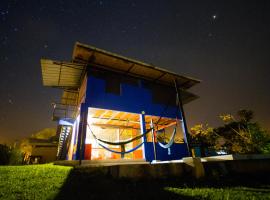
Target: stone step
{"points": [[97, 163], [111, 162]]}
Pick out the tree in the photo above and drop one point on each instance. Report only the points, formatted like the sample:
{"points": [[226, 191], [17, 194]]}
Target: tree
{"points": [[15, 157], [237, 135], [9, 155], [4, 154], [245, 115], [45, 133]]}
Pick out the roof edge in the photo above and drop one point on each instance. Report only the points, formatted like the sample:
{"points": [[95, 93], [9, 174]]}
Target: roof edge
{"points": [[130, 60]]}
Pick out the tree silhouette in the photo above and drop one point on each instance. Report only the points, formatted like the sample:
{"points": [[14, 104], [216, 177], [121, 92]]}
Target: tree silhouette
{"points": [[237, 135]]}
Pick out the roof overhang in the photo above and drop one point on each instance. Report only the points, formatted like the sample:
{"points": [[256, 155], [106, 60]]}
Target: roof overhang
{"points": [[104, 60], [62, 74], [187, 97]]}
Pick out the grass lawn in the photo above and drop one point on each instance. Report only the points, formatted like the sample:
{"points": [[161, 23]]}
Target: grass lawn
{"points": [[32, 181], [222, 193], [57, 182]]}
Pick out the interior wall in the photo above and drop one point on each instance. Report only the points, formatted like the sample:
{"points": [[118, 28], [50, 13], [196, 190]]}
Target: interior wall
{"points": [[112, 135]]}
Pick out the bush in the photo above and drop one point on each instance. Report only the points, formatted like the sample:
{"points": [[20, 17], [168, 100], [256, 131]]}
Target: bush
{"points": [[10, 156], [15, 157], [266, 149], [237, 135], [4, 154]]}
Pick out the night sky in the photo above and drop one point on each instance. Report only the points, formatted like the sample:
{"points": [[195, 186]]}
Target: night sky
{"points": [[226, 44]]}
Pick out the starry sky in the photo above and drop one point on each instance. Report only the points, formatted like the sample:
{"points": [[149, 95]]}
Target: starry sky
{"points": [[224, 43]]}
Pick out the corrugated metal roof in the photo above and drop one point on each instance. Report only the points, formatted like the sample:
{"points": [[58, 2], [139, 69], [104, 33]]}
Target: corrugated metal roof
{"points": [[69, 75], [61, 74], [70, 97], [101, 59]]}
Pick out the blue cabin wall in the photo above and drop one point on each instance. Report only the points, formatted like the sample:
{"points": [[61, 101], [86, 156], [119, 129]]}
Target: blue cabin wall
{"points": [[133, 99], [177, 151]]}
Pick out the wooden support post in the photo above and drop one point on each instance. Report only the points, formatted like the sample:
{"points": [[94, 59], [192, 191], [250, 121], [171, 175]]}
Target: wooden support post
{"points": [[143, 130], [82, 133], [182, 113], [122, 151], [153, 139], [82, 138]]}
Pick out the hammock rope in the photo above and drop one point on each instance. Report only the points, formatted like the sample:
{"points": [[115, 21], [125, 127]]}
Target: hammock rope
{"points": [[122, 142], [122, 152], [170, 143]]}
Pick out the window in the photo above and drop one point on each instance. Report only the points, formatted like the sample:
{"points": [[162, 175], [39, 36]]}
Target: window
{"points": [[112, 85], [163, 95]]}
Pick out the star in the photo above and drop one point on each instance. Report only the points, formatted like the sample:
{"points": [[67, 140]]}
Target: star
{"points": [[4, 40], [10, 101], [4, 12]]}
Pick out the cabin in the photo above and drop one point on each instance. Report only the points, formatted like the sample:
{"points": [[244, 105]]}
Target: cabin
{"points": [[38, 150], [114, 107]]}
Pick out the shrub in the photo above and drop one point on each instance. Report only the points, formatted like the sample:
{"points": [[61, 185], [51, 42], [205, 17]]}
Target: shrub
{"points": [[237, 135], [15, 157], [10, 156], [4, 154]]}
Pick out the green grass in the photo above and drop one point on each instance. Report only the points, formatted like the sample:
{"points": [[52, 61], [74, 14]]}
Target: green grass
{"points": [[243, 193], [32, 181], [58, 182]]}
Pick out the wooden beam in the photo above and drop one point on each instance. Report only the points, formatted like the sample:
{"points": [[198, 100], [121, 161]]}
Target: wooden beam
{"points": [[113, 115], [132, 65], [104, 113], [160, 76], [114, 126]]}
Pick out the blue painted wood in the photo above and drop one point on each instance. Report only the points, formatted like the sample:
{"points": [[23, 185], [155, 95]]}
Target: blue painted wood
{"points": [[133, 99], [76, 127], [177, 151], [143, 130], [197, 151], [82, 132]]}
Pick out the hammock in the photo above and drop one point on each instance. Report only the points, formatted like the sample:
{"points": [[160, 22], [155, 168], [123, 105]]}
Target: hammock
{"points": [[121, 142], [120, 152], [169, 144], [99, 141]]}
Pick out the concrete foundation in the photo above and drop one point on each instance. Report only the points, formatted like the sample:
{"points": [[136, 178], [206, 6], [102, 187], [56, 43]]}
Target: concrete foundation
{"points": [[187, 167], [196, 166]]}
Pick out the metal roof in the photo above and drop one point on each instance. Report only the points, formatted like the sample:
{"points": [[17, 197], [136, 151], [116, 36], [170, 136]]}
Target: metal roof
{"points": [[68, 75], [70, 97], [101, 59], [61, 74]]}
